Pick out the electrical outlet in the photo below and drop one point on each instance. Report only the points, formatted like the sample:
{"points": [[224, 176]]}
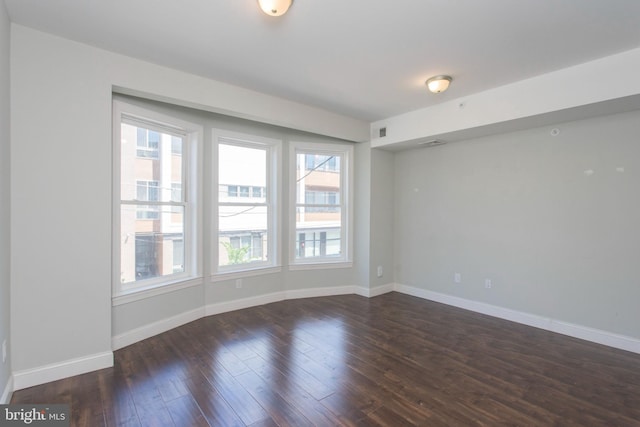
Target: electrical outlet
{"points": [[4, 351], [487, 283], [238, 283], [457, 278], [379, 271]]}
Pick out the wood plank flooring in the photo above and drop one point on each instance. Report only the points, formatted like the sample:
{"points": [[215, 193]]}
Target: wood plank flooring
{"points": [[392, 360]]}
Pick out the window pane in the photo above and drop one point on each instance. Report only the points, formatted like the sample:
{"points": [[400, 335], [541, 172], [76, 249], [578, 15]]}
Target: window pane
{"points": [[141, 138], [176, 145], [318, 210], [330, 198], [327, 163], [151, 244], [318, 233], [256, 192], [243, 234], [178, 256], [154, 139], [232, 190], [313, 175], [151, 157], [240, 170], [176, 192]]}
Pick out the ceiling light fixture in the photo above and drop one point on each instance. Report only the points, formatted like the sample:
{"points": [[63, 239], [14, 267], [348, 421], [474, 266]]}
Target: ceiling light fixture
{"points": [[275, 7], [438, 84]]}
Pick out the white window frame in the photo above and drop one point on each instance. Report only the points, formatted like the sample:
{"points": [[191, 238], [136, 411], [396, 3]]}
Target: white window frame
{"points": [[273, 148], [346, 152], [192, 191]]}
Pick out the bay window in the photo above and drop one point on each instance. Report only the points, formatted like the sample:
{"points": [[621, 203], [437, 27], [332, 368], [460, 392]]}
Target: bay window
{"points": [[160, 198]]}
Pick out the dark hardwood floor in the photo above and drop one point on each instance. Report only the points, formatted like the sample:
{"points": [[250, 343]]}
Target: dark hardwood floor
{"points": [[393, 360]]}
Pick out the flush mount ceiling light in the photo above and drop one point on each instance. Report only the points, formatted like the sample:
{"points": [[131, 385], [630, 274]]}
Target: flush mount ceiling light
{"points": [[438, 84], [275, 7]]}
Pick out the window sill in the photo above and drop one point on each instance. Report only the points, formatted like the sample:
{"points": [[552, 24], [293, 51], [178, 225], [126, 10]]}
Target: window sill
{"points": [[128, 296], [222, 276], [320, 265]]}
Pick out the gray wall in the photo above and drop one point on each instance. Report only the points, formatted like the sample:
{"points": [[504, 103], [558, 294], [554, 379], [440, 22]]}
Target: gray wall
{"points": [[5, 369], [60, 205], [381, 231], [551, 220], [374, 216], [362, 210]]}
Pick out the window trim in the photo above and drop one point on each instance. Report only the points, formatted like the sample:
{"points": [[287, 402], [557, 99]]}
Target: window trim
{"points": [[192, 185], [273, 149], [346, 205]]}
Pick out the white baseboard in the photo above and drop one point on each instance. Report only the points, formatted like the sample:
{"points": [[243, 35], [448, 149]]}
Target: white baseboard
{"points": [[319, 292], [57, 371], [374, 292], [577, 331], [239, 304], [155, 328], [8, 391]]}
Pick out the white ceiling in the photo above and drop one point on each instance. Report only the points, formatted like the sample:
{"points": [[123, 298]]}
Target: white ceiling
{"points": [[367, 59]]}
